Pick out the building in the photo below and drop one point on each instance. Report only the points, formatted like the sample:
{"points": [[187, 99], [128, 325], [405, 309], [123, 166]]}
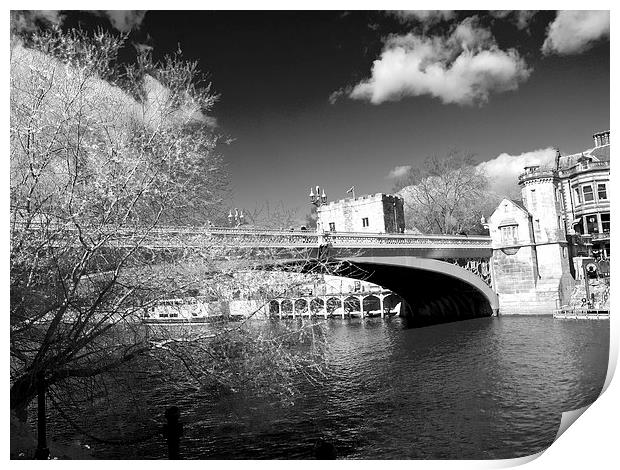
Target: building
{"points": [[585, 198], [541, 242], [374, 213]]}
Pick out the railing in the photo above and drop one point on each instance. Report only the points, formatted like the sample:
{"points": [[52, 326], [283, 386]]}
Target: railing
{"points": [[544, 173], [601, 236], [580, 167], [246, 237]]}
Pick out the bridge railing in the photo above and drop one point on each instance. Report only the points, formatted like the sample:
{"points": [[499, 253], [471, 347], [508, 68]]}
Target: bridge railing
{"points": [[167, 236]]}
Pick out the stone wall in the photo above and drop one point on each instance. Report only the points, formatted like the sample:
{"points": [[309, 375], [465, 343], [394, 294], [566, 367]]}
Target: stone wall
{"points": [[531, 271], [384, 213]]}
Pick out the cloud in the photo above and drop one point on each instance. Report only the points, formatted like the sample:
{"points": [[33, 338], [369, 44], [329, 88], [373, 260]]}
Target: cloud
{"points": [[399, 171], [156, 111], [124, 20], [423, 16], [465, 68], [116, 105], [28, 20], [574, 31], [520, 18], [503, 170]]}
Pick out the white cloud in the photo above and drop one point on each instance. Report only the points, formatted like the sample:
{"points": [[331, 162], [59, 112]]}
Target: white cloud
{"points": [[574, 31], [399, 171], [503, 170], [464, 67], [424, 16]]}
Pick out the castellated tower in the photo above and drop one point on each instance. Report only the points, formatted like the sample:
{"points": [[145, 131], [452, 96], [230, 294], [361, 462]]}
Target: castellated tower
{"points": [[541, 195]]}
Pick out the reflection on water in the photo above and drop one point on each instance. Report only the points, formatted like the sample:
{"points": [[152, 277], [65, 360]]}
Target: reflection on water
{"points": [[483, 388]]}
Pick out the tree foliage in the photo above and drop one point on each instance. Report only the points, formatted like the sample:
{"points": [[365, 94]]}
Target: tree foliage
{"points": [[446, 195]]}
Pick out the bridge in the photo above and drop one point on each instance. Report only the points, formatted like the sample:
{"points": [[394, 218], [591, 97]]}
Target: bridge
{"points": [[440, 277]]}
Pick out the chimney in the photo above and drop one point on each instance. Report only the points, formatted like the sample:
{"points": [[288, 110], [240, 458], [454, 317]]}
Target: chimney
{"points": [[601, 138]]}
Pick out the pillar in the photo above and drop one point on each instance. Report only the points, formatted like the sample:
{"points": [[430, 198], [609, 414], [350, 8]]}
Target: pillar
{"points": [[361, 299], [381, 305]]}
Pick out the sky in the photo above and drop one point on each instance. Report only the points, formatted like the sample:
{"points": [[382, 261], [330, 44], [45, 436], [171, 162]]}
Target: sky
{"points": [[337, 99]]}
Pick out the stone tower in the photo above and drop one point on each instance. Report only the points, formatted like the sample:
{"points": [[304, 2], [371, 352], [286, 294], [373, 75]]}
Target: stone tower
{"points": [[373, 213], [530, 253]]}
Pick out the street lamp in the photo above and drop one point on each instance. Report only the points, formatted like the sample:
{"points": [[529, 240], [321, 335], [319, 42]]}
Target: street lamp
{"points": [[236, 219], [319, 198], [483, 222]]}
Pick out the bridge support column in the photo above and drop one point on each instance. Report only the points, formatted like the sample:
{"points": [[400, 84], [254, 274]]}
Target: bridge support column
{"points": [[381, 297], [361, 298]]}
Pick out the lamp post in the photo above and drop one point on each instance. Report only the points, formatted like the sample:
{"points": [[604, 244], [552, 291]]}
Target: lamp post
{"points": [[484, 222], [235, 219], [319, 198]]}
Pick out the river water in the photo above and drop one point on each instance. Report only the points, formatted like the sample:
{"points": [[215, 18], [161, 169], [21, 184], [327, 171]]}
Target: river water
{"points": [[478, 389]]}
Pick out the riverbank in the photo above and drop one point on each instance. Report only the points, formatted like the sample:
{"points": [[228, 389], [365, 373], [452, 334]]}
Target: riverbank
{"points": [[24, 444]]}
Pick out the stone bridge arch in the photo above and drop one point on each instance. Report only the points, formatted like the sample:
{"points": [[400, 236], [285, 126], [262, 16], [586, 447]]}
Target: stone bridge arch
{"points": [[434, 291]]}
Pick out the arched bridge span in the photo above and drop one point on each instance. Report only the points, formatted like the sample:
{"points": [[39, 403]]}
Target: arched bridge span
{"points": [[435, 291]]}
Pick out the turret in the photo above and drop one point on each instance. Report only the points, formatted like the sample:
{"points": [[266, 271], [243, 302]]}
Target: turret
{"points": [[541, 194]]}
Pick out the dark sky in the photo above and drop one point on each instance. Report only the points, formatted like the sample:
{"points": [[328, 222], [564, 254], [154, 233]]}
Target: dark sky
{"points": [[275, 72]]}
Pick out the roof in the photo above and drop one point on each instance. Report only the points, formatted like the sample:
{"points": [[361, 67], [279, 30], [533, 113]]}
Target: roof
{"points": [[598, 154], [515, 203], [519, 204], [602, 153], [508, 221]]}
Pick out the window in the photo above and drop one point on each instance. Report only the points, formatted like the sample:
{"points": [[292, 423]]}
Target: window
{"points": [[591, 223], [602, 191], [605, 223], [509, 234], [332, 226], [588, 194], [365, 222], [577, 195], [559, 198], [533, 199]]}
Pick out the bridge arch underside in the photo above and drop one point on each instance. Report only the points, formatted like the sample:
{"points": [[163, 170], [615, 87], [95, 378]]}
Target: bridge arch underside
{"points": [[434, 291]]}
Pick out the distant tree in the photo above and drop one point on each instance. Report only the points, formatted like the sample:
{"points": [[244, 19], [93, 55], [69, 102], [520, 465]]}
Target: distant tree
{"points": [[312, 217], [272, 215], [446, 195]]}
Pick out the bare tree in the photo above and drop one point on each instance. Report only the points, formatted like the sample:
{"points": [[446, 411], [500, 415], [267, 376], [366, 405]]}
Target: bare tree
{"points": [[446, 195], [272, 215], [101, 157]]}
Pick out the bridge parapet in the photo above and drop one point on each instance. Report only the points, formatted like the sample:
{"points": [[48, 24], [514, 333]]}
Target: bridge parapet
{"points": [[170, 237], [361, 240]]}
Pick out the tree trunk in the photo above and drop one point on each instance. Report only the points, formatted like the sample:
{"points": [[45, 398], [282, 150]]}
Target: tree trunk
{"points": [[23, 391]]}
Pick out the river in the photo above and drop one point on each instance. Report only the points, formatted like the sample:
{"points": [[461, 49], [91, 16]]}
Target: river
{"points": [[478, 389]]}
